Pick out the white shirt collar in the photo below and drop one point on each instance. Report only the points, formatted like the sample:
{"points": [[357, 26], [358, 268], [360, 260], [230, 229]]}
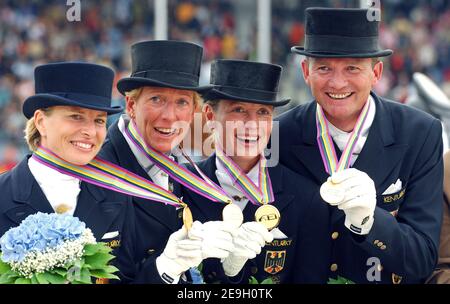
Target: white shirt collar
{"points": [[228, 185], [341, 137], [58, 188], [158, 176]]}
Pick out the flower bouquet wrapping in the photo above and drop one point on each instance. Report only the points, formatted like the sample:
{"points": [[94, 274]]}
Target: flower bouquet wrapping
{"points": [[53, 249]]}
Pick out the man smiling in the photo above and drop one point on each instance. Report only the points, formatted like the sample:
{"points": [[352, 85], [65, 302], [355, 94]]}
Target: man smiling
{"points": [[379, 163]]}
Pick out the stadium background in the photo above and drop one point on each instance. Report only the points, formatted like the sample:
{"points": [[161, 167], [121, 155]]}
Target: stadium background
{"points": [[34, 32]]}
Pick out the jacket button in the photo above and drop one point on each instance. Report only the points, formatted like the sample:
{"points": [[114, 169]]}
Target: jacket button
{"points": [[151, 251], [333, 267], [254, 270], [383, 247], [376, 242], [335, 235]]}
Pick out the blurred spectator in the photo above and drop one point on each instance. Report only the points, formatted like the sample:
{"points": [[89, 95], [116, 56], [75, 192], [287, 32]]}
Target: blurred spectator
{"points": [[35, 32], [9, 159]]}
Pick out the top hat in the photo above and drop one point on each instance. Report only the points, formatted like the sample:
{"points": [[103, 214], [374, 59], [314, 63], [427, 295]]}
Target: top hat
{"points": [[248, 81], [77, 84], [340, 33], [164, 63]]}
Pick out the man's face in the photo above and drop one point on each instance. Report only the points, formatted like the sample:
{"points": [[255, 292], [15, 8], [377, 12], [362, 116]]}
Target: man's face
{"points": [[341, 86]]}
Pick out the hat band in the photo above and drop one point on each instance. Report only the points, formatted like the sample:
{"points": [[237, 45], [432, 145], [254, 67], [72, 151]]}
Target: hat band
{"points": [[341, 44], [87, 99], [249, 93], [176, 78]]}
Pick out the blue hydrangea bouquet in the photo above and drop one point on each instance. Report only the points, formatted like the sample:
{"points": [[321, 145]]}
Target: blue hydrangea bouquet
{"points": [[53, 249]]}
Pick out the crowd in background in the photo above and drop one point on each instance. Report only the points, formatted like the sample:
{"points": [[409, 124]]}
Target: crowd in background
{"points": [[33, 32]]}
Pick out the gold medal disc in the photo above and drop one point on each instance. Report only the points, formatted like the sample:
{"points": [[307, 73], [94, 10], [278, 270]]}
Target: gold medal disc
{"points": [[268, 215], [187, 218]]}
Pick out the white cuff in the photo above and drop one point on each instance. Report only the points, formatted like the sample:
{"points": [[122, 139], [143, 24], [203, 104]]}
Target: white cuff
{"points": [[167, 269], [361, 230]]}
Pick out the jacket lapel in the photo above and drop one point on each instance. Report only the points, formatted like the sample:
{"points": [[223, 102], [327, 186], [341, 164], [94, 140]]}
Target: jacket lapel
{"points": [[307, 152], [208, 209], [126, 159], [95, 210], [27, 195], [380, 153]]}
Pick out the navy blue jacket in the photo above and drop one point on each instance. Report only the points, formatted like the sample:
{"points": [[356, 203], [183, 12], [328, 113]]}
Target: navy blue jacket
{"points": [[403, 143], [102, 210], [154, 221], [303, 257]]}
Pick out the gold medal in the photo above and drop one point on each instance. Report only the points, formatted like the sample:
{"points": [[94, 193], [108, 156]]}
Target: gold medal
{"points": [[187, 218], [232, 214], [332, 193], [268, 215], [62, 208]]}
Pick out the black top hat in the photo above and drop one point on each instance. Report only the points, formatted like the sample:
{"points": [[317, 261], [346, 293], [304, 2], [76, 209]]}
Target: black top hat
{"points": [[77, 84], [164, 63], [245, 80], [341, 33]]}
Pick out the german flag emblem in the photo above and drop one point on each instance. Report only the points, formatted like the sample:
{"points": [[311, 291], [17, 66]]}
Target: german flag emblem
{"points": [[274, 261]]}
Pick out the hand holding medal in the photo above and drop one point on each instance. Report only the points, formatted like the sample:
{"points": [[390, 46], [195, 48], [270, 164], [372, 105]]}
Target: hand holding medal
{"points": [[351, 190]]}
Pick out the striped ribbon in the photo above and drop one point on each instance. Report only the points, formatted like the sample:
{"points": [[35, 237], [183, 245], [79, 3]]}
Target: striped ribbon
{"points": [[325, 142], [109, 176], [185, 177], [257, 195]]}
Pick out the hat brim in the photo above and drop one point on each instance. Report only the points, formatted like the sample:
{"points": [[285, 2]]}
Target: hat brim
{"points": [[217, 94], [301, 51], [40, 101], [131, 83]]}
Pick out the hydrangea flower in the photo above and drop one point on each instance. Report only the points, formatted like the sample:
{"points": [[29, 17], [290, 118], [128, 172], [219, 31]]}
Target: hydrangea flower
{"points": [[39, 232]]}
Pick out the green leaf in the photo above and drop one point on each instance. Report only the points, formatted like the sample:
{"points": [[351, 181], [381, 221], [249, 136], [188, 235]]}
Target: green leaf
{"points": [[90, 249], [267, 281], [54, 278], [102, 274], [253, 280], [22, 281], [34, 279], [8, 278], [41, 278], [61, 271], [85, 276], [4, 267], [99, 260], [340, 280]]}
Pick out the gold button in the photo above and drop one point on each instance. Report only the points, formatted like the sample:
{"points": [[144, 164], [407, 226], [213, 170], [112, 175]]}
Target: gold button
{"points": [[335, 235], [375, 242], [380, 244], [150, 251], [383, 247], [333, 267]]}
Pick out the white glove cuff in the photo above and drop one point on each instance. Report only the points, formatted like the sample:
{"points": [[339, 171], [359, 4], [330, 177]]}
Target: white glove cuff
{"points": [[232, 265], [168, 269], [361, 230]]}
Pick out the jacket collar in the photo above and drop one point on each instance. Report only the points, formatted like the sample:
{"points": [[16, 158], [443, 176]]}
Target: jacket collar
{"points": [[209, 208], [379, 151], [92, 206]]}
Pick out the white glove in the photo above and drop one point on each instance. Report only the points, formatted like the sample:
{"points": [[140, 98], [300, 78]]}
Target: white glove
{"points": [[360, 199], [180, 254], [251, 237], [216, 238]]}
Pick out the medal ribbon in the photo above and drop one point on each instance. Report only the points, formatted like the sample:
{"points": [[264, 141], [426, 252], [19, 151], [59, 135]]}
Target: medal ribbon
{"points": [[177, 172], [109, 176], [325, 142], [257, 195]]}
